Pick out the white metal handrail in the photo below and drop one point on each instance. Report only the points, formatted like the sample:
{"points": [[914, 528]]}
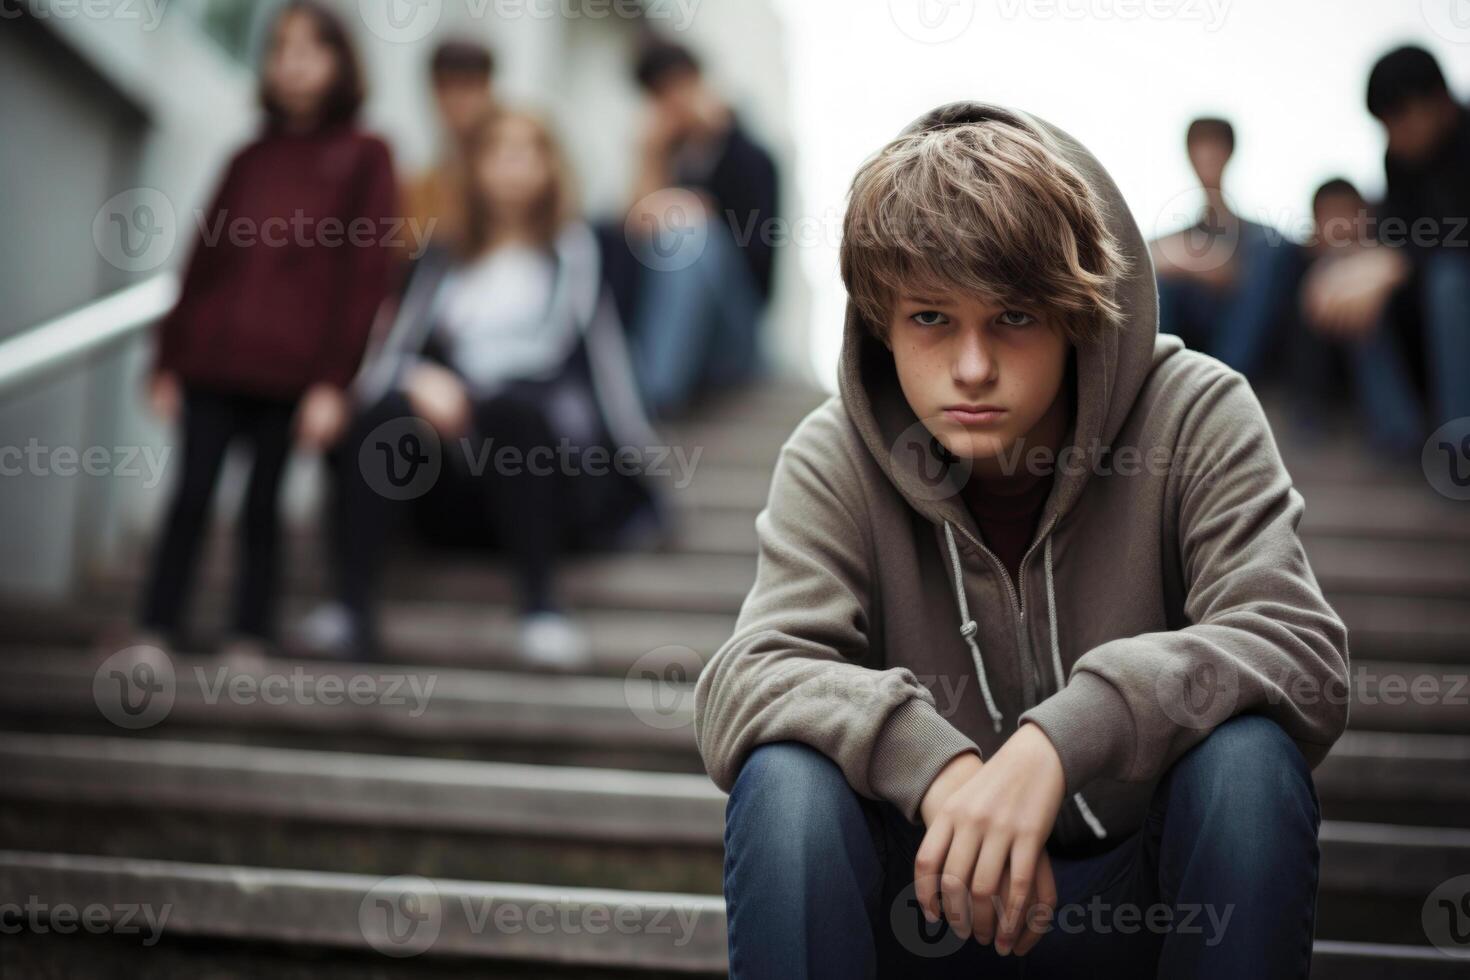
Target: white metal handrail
{"points": [[60, 343]]}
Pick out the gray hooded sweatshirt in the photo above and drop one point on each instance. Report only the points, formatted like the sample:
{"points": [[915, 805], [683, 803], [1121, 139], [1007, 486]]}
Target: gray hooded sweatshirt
{"points": [[1166, 589]]}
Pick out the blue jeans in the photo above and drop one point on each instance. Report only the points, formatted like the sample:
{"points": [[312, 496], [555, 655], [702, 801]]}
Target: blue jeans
{"points": [[1392, 417], [1445, 281], [696, 324], [1235, 325], [1220, 882]]}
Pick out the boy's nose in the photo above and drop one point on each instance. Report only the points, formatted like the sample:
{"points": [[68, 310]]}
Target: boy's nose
{"points": [[972, 363]]}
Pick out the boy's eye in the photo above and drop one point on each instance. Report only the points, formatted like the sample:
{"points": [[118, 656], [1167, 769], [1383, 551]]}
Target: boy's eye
{"points": [[1017, 318], [929, 318]]}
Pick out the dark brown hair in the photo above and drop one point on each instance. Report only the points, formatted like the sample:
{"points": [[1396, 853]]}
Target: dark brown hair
{"points": [[658, 60], [458, 58], [344, 98], [1211, 128]]}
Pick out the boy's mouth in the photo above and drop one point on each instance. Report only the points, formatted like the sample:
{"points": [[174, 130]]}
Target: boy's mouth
{"points": [[974, 414]]}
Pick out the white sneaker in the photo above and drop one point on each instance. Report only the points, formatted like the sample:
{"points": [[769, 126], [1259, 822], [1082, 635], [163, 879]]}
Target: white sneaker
{"points": [[327, 631], [552, 640]]}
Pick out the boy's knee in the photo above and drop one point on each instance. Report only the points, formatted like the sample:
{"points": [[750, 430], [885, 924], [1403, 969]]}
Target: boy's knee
{"points": [[1246, 766], [790, 792]]}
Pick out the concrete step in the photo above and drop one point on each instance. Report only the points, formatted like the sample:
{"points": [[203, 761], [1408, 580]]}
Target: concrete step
{"points": [[377, 708], [430, 921], [1408, 513], [332, 811], [557, 928], [1397, 778], [646, 716], [649, 710], [1355, 566], [658, 582], [1347, 570], [450, 634], [456, 633]]}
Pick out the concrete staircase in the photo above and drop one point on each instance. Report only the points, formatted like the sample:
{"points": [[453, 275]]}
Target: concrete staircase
{"points": [[485, 818]]}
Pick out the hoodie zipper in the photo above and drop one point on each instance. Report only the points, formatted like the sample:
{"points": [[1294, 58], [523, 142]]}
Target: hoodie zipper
{"points": [[1065, 823], [1023, 640]]}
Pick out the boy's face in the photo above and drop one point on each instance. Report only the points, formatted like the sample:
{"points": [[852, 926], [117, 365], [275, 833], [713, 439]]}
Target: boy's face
{"points": [[957, 352], [1341, 221], [1415, 129], [463, 99], [1209, 155]]}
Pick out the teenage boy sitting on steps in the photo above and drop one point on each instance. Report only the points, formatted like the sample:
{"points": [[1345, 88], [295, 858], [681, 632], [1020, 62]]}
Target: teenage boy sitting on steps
{"points": [[1034, 654]]}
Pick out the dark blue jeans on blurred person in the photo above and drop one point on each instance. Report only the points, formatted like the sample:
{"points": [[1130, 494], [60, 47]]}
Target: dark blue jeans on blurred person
{"points": [[698, 319], [1389, 407], [1235, 325], [819, 880], [1445, 281]]}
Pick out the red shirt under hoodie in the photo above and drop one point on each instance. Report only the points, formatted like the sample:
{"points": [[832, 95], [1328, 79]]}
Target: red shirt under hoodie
{"points": [[290, 262]]}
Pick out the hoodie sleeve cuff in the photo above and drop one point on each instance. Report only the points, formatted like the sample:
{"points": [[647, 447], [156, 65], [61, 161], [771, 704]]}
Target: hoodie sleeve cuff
{"points": [[1090, 725], [913, 745]]}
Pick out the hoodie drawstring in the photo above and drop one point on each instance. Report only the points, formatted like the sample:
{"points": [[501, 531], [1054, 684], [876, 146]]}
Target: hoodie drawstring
{"points": [[1093, 824], [968, 629]]}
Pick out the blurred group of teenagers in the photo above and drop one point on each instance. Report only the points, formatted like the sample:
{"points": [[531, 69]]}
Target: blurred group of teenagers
{"points": [[484, 372], [1366, 322], [508, 320]]}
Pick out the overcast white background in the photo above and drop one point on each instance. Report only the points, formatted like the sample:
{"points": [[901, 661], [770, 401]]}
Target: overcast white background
{"points": [[1123, 76]]}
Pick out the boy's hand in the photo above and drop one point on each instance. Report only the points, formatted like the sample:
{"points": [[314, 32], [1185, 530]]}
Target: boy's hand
{"points": [[1345, 299], [986, 841]]}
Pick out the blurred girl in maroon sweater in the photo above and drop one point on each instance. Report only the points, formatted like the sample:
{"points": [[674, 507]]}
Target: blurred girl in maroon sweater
{"points": [[293, 257]]}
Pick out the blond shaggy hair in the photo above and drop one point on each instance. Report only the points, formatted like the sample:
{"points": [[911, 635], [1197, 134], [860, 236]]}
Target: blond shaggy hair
{"points": [[986, 208]]}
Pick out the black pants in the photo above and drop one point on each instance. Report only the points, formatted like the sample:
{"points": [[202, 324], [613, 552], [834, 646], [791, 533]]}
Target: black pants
{"points": [[392, 465], [212, 421]]}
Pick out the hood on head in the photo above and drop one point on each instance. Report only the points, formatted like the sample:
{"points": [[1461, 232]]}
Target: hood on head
{"points": [[1110, 369]]}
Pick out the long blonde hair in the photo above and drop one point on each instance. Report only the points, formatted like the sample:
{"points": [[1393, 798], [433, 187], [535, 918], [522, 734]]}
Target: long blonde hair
{"points": [[556, 206]]}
